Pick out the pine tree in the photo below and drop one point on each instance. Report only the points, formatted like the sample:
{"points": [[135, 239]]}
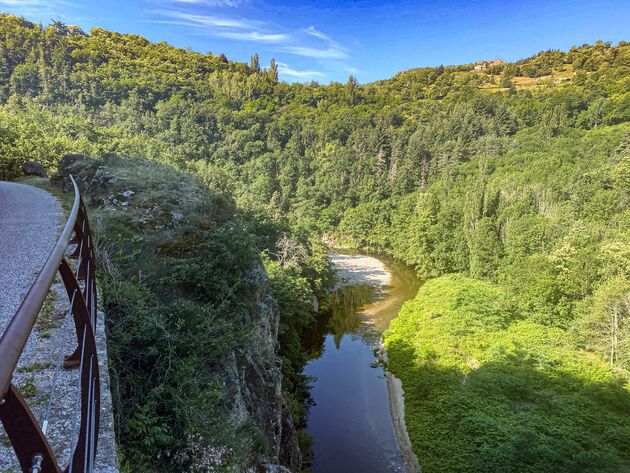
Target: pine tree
{"points": [[42, 71], [351, 87], [273, 70], [254, 64], [4, 65]]}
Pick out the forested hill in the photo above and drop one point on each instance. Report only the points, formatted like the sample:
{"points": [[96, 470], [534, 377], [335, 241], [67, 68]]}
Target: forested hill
{"points": [[507, 182], [236, 124]]}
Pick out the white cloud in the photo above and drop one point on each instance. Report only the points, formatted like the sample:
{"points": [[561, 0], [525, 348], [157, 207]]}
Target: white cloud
{"points": [[285, 69], [22, 3], [334, 50], [205, 20], [40, 10], [251, 30], [43, 5], [311, 30], [222, 27], [353, 70], [329, 53], [252, 36]]}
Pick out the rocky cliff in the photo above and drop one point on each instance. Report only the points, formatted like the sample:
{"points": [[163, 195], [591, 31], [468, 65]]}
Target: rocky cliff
{"points": [[256, 379]]}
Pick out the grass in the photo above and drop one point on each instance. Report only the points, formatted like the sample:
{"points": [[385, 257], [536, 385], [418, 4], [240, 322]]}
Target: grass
{"points": [[28, 389], [45, 322], [34, 367]]}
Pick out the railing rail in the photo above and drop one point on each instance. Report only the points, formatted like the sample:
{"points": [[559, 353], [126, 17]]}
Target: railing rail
{"points": [[27, 437]]}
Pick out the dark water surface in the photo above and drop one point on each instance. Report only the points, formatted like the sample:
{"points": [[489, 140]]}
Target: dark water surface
{"points": [[350, 421]]}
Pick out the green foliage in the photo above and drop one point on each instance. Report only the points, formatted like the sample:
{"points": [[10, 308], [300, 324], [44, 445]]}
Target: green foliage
{"points": [[295, 300], [603, 323], [488, 391]]}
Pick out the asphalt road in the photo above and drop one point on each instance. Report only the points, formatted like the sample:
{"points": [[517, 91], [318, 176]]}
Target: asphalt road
{"points": [[29, 217]]}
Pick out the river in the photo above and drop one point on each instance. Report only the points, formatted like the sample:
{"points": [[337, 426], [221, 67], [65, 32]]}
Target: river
{"points": [[350, 419]]}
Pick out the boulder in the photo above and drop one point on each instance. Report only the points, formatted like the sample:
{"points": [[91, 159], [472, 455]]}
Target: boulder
{"points": [[34, 168], [68, 165], [176, 216]]}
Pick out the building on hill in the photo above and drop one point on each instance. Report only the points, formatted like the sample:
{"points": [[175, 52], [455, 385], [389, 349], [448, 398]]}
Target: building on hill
{"points": [[483, 65]]}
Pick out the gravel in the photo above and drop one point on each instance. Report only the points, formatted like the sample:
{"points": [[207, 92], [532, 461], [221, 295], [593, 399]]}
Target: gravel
{"points": [[29, 219], [360, 269], [30, 223]]}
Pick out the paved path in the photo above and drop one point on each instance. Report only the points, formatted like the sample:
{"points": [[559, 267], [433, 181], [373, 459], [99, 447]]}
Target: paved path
{"points": [[30, 223], [29, 218]]}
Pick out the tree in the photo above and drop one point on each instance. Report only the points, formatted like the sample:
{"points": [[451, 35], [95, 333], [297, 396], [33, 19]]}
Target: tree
{"points": [[5, 73], [290, 253], [594, 115], [506, 78], [351, 87], [485, 250], [254, 64], [273, 70], [604, 321]]}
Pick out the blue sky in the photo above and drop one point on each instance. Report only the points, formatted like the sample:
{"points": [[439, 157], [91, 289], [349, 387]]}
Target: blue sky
{"points": [[327, 40]]}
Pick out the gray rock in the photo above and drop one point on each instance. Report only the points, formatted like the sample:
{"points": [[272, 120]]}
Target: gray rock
{"points": [[269, 468], [67, 165], [176, 216], [256, 373], [127, 193], [34, 168]]}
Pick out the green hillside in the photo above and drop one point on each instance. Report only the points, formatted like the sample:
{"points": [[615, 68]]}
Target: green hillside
{"points": [[509, 182]]}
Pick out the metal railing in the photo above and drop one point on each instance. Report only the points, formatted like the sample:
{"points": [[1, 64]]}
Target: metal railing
{"points": [[26, 435]]}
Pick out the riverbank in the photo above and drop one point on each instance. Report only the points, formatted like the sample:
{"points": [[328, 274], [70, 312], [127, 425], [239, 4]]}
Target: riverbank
{"points": [[361, 269]]}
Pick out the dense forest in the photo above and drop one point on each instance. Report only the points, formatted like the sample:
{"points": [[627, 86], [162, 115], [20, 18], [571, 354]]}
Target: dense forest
{"points": [[505, 185]]}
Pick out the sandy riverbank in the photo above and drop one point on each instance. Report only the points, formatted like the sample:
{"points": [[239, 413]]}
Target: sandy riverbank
{"points": [[361, 269]]}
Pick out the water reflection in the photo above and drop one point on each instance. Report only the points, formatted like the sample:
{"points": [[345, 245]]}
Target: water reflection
{"points": [[349, 419], [339, 315]]}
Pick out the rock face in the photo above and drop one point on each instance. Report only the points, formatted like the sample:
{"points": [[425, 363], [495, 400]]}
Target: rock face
{"points": [[257, 379], [65, 168], [33, 168]]}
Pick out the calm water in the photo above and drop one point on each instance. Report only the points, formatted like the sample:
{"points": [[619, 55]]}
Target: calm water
{"points": [[350, 419]]}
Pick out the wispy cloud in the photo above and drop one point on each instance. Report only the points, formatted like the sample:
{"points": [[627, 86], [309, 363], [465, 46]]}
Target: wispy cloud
{"points": [[222, 27], [41, 4], [333, 49], [353, 70], [191, 19], [42, 10], [252, 36], [311, 30], [328, 53], [22, 3], [300, 43], [285, 69]]}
